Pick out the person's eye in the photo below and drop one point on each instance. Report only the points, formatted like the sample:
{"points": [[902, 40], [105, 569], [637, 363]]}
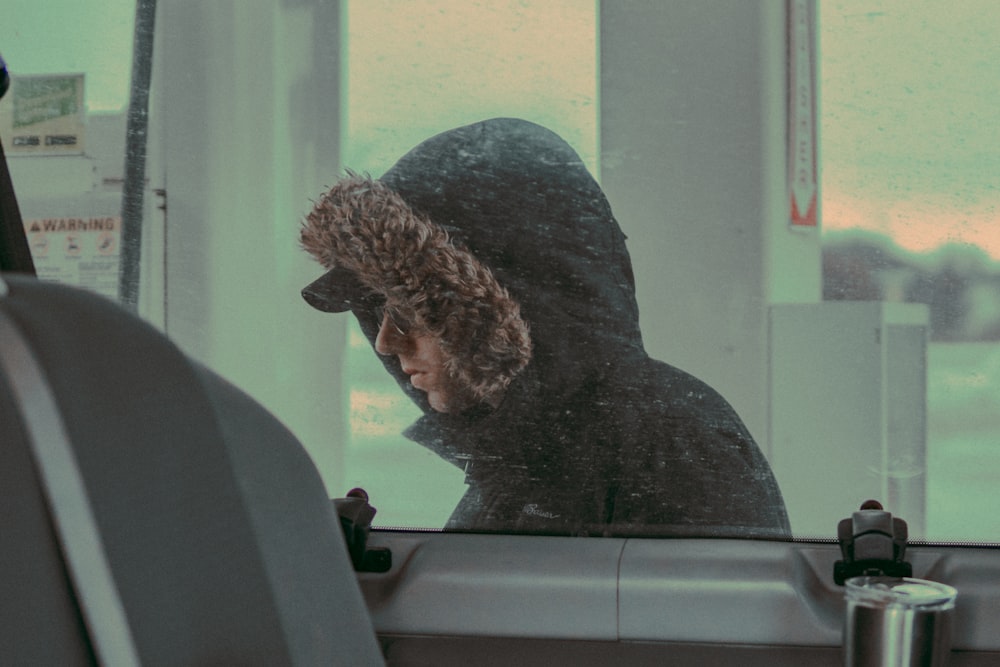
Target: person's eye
{"points": [[400, 323]]}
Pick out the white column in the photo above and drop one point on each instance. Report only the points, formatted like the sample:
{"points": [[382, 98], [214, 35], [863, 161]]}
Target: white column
{"points": [[694, 160], [247, 100]]}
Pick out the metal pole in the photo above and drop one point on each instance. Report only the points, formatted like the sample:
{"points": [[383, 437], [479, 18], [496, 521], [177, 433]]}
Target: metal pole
{"points": [[135, 155]]}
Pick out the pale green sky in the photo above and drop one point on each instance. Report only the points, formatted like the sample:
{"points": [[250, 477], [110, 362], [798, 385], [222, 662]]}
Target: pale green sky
{"points": [[72, 36], [441, 64], [911, 126], [909, 95]]}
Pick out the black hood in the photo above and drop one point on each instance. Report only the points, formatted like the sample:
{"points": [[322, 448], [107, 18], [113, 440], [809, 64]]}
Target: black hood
{"points": [[521, 201]]}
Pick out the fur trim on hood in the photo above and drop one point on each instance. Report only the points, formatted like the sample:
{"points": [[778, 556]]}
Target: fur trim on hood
{"points": [[362, 226]]}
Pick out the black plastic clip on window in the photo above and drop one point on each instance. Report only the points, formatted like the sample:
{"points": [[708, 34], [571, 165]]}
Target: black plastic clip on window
{"points": [[872, 543], [356, 520]]}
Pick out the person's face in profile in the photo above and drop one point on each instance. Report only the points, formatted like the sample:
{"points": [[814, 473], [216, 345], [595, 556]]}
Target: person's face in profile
{"points": [[422, 359]]}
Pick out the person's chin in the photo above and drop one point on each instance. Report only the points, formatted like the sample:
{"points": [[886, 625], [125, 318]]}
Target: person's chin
{"points": [[439, 405], [446, 403]]}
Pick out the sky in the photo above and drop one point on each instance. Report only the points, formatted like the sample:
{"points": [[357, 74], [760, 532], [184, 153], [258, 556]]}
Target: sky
{"points": [[911, 120], [69, 37], [538, 61], [909, 94]]}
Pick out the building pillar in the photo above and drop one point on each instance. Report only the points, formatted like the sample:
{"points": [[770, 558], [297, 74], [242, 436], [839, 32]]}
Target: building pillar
{"points": [[694, 133]]}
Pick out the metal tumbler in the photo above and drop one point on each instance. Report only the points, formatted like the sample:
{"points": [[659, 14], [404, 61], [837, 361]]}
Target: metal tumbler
{"points": [[897, 622]]}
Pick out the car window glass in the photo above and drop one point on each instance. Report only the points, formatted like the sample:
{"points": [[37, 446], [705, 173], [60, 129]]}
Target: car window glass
{"points": [[60, 119], [907, 202], [909, 213], [538, 50]]}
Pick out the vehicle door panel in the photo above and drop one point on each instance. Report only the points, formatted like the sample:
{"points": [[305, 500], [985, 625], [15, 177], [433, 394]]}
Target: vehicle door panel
{"points": [[454, 599]]}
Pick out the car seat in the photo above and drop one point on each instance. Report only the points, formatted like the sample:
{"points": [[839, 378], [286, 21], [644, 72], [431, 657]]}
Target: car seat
{"points": [[220, 540]]}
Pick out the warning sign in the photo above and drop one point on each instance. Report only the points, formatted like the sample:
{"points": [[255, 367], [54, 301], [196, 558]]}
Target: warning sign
{"points": [[77, 251], [44, 115]]}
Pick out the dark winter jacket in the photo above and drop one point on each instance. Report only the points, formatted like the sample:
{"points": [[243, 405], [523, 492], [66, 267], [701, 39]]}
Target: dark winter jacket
{"points": [[497, 236]]}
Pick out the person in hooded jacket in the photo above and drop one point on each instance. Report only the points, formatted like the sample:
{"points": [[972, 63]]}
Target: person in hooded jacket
{"points": [[489, 274]]}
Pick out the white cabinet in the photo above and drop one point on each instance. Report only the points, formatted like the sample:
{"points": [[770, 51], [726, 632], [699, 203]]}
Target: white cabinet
{"points": [[848, 415]]}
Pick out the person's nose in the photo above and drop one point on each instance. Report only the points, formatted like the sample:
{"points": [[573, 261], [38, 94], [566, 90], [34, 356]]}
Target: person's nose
{"points": [[389, 339]]}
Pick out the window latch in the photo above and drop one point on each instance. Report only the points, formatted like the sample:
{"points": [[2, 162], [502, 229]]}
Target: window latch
{"points": [[872, 543], [356, 520]]}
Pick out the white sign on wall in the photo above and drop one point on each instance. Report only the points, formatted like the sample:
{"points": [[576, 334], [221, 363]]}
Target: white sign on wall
{"points": [[802, 137], [83, 252], [43, 115]]}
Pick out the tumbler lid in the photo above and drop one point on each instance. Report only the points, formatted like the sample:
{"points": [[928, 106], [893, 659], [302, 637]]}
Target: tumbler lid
{"points": [[900, 591]]}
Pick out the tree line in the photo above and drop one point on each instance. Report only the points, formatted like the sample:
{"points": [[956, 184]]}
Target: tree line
{"points": [[960, 283]]}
